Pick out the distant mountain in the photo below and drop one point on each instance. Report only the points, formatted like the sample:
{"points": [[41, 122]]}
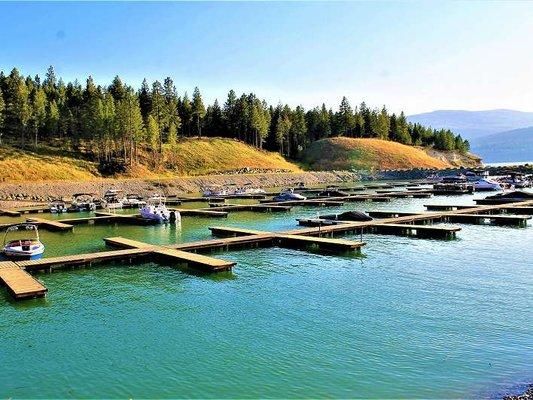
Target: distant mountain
{"points": [[513, 146], [473, 124]]}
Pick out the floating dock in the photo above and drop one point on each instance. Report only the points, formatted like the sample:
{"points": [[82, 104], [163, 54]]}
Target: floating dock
{"points": [[19, 283]]}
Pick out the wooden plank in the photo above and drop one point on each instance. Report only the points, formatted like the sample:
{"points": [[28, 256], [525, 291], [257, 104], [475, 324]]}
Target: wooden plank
{"points": [[203, 213], [10, 213], [50, 225], [320, 242], [195, 260], [20, 284]]}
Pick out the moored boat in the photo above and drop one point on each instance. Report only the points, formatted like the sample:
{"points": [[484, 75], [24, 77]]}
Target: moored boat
{"points": [[26, 248], [487, 185], [288, 195], [83, 202], [58, 207], [112, 199], [156, 210]]}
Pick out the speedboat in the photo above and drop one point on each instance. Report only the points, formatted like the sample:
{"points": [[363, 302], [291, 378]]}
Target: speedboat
{"points": [[83, 202], [156, 210], [23, 249], [333, 191], [112, 199], [486, 184], [248, 189], [58, 207], [518, 180], [132, 200], [214, 191], [288, 195], [453, 184]]}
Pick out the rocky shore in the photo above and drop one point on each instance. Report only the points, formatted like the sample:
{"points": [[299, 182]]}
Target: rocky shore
{"points": [[20, 194], [527, 395]]}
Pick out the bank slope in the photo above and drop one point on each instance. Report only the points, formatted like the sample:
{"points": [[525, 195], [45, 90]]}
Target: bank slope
{"points": [[192, 156], [343, 153]]}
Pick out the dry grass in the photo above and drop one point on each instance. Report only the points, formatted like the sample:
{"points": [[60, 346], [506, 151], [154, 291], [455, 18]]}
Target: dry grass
{"points": [[23, 165], [193, 156], [343, 153], [200, 156]]}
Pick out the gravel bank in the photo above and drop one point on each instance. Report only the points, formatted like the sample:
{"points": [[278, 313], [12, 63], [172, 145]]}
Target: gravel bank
{"points": [[12, 194]]}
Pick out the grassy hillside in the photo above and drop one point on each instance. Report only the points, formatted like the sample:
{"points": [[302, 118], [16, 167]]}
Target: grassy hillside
{"points": [[190, 157], [45, 164], [343, 153], [197, 156]]}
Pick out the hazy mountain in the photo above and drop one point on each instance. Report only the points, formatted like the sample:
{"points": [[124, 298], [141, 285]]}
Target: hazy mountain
{"points": [[515, 145], [472, 124]]}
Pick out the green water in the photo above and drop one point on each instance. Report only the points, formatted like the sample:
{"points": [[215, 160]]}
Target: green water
{"points": [[409, 318]]}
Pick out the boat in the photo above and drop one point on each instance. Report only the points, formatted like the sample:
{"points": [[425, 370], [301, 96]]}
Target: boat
{"points": [[113, 200], [288, 195], [83, 202], [486, 185], [156, 210], [453, 184], [332, 191], [26, 248], [133, 200], [517, 180], [214, 191], [249, 189], [58, 207], [516, 196], [349, 216]]}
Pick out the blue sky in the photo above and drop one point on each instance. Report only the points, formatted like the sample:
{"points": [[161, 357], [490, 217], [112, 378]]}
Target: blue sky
{"points": [[412, 56]]}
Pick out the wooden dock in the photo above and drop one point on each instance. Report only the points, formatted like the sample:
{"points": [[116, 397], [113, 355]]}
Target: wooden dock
{"points": [[19, 283], [10, 213], [50, 224]]}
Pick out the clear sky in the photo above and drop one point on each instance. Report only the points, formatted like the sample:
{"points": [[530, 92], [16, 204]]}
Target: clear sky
{"points": [[415, 56]]}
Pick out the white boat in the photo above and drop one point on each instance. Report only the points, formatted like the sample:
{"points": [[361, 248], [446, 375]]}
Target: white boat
{"points": [[156, 210], [214, 191], [26, 248], [58, 207], [132, 200], [248, 189], [287, 195], [83, 202], [487, 184], [113, 199]]}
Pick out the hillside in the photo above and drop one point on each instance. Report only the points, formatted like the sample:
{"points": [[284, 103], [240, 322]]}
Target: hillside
{"points": [[343, 153], [192, 156], [473, 124], [515, 145]]}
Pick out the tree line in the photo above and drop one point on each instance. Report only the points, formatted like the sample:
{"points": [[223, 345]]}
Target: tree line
{"points": [[113, 122]]}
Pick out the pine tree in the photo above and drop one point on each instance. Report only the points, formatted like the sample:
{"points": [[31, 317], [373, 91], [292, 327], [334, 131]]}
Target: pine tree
{"points": [[198, 110], [345, 119], [38, 112], [129, 124], [185, 113], [172, 137], [2, 118], [18, 109]]}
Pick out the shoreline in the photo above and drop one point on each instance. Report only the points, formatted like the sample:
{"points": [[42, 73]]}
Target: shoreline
{"points": [[14, 194]]}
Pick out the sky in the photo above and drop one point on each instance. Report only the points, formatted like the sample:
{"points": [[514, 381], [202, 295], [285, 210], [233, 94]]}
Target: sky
{"points": [[411, 56]]}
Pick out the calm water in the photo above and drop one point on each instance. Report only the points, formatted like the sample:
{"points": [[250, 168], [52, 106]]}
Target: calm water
{"points": [[408, 318]]}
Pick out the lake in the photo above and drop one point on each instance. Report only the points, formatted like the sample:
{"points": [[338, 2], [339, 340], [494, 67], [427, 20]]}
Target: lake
{"points": [[406, 318]]}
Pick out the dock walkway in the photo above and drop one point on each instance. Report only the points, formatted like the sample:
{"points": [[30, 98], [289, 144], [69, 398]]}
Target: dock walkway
{"points": [[19, 283]]}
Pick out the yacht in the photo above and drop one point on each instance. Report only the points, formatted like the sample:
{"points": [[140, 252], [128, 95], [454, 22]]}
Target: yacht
{"points": [[249, 189], [112, 199], [133, 200], [23, 249], [214, 191], [58, 207]]}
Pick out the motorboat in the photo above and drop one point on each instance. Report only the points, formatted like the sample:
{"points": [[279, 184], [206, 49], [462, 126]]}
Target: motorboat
{"points": [[332, 191], [133, 200], [474, 176], [23, 249], [83, 202], [58, 207], [288, 195], [508, 197], [517, 180], [349, 216], [486, 185], [249, 189], [113, 199], [214, 191], [156, 210], [453, 184]]}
